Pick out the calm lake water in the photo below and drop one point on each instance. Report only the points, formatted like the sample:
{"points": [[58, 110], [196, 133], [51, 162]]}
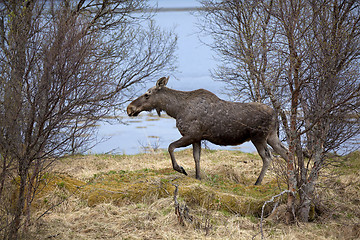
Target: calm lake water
{"points": [[195, 61]]}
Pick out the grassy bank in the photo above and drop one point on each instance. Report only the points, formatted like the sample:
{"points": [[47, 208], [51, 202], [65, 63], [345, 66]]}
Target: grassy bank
{"points": [[132, 197]]}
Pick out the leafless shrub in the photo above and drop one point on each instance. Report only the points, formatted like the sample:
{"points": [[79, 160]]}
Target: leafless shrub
{"points": [[65, 65], [151, 146]]}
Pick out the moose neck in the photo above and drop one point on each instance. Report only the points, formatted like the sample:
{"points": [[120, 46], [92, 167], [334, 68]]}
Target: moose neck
{"points": [[171, 101]]}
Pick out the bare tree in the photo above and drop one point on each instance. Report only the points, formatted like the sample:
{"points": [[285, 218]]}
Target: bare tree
{"points": [[65, 65], [301, 56], [330, 96]]}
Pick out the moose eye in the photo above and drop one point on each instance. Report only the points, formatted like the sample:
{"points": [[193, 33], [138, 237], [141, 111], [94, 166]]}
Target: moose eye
{"points": [[147, 95]]}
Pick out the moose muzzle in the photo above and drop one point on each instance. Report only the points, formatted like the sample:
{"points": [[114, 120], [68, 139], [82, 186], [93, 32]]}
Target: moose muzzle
{"points": [[131, 111]]}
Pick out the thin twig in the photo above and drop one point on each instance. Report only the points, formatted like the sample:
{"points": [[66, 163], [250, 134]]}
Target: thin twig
{"points": [[263, 207]]}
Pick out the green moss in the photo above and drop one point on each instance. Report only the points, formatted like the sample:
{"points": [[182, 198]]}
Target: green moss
{"points": [[60, 184], [349, 164], [145, 185], [312, 213], [252, 155], [165, 171]]}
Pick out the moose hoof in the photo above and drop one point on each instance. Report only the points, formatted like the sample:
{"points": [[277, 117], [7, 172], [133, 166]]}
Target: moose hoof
{"points": [[183, 171], [257, 183], [180, 170]]}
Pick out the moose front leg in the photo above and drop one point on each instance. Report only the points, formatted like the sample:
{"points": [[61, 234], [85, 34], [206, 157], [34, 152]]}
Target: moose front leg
{"points": [[196, 154], [182, 142]]}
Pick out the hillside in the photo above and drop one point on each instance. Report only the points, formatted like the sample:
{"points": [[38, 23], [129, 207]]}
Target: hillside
{"points": [[132, 197]]}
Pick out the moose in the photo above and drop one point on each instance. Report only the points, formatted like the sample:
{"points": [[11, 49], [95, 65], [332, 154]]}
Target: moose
{"points": [[201, 115]]}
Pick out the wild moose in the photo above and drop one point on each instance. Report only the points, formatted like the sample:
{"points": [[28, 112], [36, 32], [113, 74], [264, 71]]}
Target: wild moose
{"points": [[201, 115]]}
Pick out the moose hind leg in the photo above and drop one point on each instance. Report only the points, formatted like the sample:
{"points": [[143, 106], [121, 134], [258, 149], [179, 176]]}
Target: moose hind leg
{"points": [[196, 154], [274, 141], [182, 142], [264, 152]]}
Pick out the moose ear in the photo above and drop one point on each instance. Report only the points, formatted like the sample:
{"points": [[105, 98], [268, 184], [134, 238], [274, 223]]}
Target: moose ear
{"points": [[162, 82]]}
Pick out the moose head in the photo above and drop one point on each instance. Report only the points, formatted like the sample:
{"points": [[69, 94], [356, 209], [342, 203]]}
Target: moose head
{"points": [[149, 100]]}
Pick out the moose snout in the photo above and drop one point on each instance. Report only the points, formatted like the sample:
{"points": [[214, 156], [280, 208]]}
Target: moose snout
{"points": [[131, 110]]}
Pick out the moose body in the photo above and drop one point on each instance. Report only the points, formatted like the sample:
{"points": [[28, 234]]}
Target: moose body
{"points": [[201, 115]]}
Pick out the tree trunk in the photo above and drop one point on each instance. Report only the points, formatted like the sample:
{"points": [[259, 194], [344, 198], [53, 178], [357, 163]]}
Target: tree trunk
{"points": [[305, 198], [13, 106], [19, 206], [289, 217], [307, 191]]}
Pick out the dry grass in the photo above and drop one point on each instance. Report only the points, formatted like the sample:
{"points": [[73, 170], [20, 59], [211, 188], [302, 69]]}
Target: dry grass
{"points": [[85, 166], [131, 197]]}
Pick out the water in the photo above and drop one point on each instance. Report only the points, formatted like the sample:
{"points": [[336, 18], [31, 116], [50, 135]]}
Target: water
{"points": [[145, 133], [195, 61]]}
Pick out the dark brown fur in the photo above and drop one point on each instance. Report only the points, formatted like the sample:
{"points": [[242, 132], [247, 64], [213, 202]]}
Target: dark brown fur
{"points": [[201, 115]]}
